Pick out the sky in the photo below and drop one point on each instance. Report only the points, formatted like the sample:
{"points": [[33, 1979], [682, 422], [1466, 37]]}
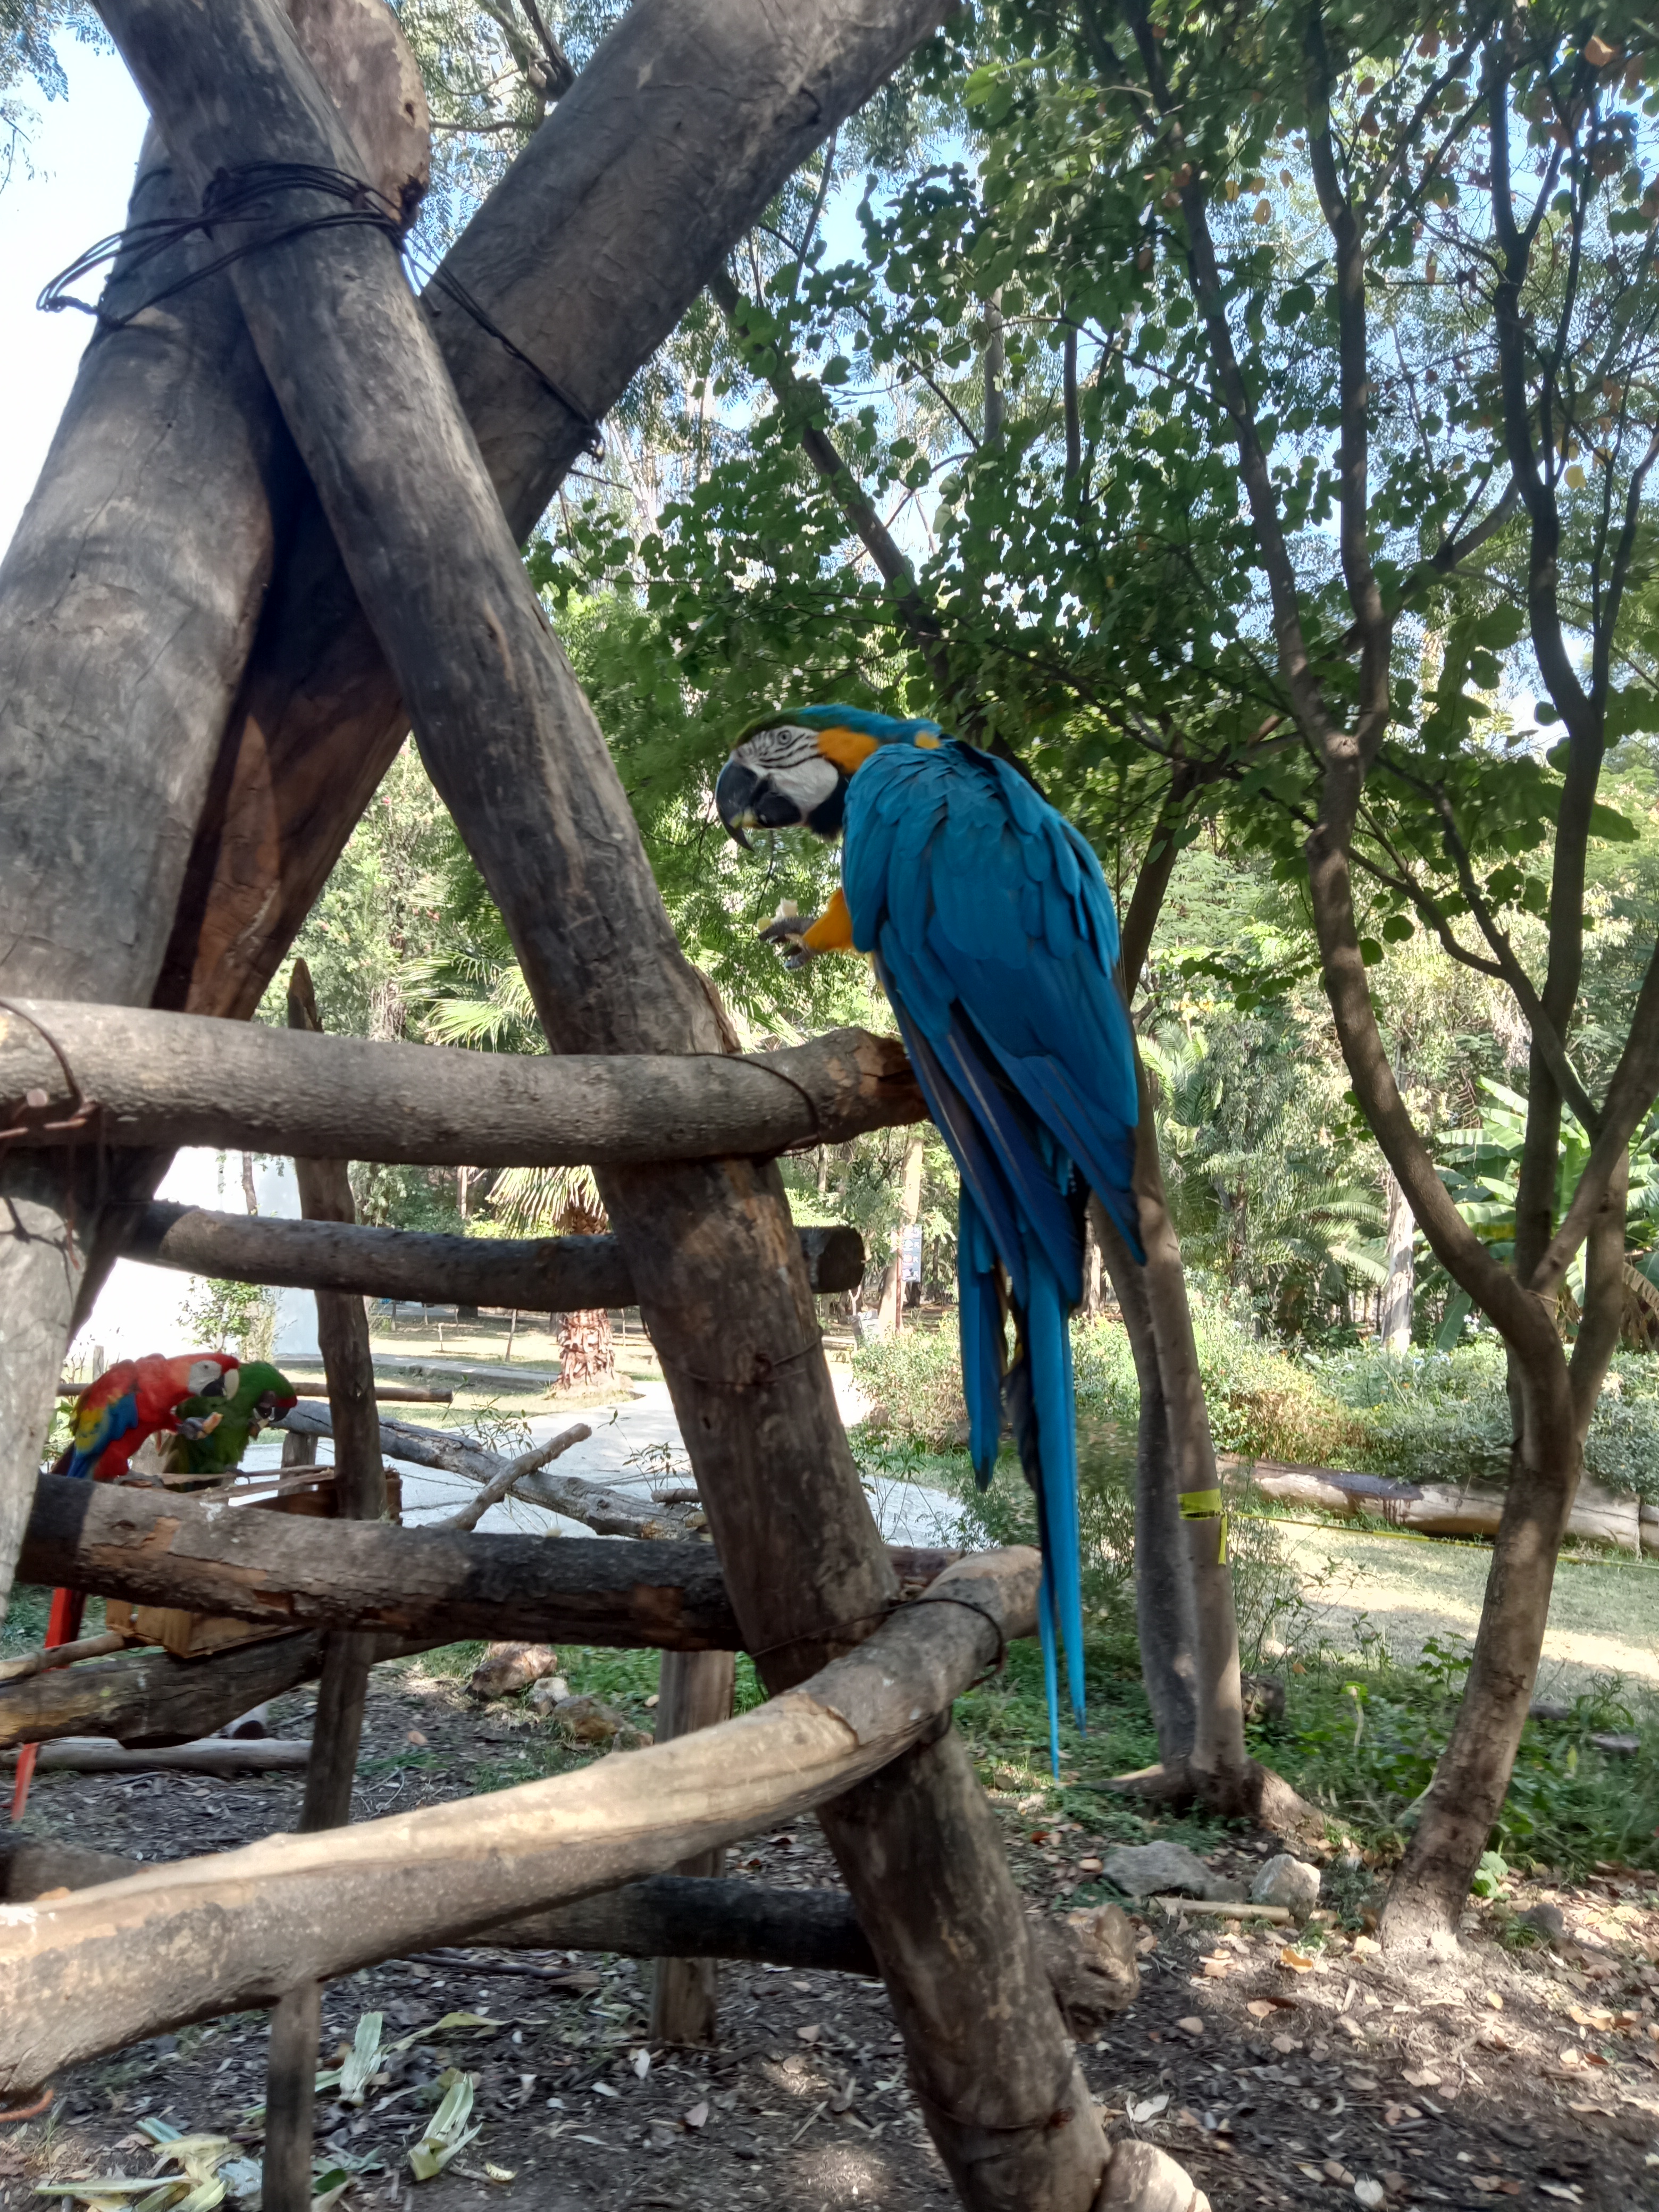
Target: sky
{"points": [[83, 151]]}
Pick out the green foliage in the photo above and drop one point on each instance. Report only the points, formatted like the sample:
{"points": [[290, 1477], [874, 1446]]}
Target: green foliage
{"points": [[1364, 1741], [226, 1316]]}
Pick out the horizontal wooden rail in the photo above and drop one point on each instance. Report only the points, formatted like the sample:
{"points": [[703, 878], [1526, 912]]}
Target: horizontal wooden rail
{"points": [[541, 1274], [1090, 1959], [144, 1697], [90, 1973], [141, 1078], [285, 1571]]}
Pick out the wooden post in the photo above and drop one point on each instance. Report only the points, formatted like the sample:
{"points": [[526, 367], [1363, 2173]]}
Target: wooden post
{"points": [[337, 1730], [694, 1691], [516, 754], [129, 598]]}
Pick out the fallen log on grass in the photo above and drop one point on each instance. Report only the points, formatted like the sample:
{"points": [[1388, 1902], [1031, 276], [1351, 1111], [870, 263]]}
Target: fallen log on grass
{"points": [[159, 1078], [430, 1585], [1439, 1509], [538, 1274], [96, 1970], [147, 1697]]}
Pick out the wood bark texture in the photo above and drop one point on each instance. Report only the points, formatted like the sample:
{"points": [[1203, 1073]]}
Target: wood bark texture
{"points": [[694, 1691], [294, 1570], [288, 1571], [360, 1490], [221, 1755], [1089, 1957], [516, 755], [160, 1079], [128, 606], [146, 1697], [678, 132], [554, 1274], [96, 1970]]}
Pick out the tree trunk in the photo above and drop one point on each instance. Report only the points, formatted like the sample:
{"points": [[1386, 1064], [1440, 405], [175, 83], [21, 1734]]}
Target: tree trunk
{"points": [[694, 1691], [1219, 1762], [892, 1288], [128, 604], [1166, 1629], [1394, 1318], [516, 755], [1096, 1227], [587, 1351]]}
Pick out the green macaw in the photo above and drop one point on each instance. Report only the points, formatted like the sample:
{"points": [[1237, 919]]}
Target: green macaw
{"points": [[256, 1394]]}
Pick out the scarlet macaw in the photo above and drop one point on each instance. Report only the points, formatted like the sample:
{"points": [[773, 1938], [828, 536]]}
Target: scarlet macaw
{"points": [[995, 938], [113, 1415]]}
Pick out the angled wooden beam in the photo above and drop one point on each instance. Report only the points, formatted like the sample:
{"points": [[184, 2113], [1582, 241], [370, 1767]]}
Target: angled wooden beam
{"points": [[159, 1079], [539, 1274], [517, 756], [101, 1968]]}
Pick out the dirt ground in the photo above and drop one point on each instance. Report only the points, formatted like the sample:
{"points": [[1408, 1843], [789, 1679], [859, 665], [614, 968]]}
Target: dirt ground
{"points": [[1280, 2074]]}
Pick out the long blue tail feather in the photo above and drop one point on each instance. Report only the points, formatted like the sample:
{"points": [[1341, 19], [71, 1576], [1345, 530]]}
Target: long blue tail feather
{"points": [[1048, 1336], [1050, 1672]]}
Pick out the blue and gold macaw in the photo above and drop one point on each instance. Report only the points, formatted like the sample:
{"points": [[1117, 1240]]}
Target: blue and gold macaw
{"points": [[993, 935]]}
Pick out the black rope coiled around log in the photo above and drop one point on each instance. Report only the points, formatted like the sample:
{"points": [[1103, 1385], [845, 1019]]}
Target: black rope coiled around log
{"points": [[245, 195]]}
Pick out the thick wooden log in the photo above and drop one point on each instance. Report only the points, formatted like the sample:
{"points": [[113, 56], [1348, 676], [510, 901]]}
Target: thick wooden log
{"points": [[673, 140], [129, 598], [517, 756], [538, 1274], [146, 1697], [88, 1973], [288, 1571], [1089, 1958], [161, 1079], [154, 1547]]}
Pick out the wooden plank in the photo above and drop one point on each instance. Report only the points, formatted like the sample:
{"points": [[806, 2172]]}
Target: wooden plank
{"points": [[538, 1274], [94, 1970], [154, 1546], [160, 1080]]}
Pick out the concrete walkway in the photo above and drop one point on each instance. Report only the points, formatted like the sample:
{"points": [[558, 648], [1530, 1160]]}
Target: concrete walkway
{"points": [[635, 1446]]}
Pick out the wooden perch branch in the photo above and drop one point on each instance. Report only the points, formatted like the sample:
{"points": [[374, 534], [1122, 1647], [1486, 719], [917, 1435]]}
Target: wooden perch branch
{"points": [[1091, 1958], [90, 1973], [168, 1080], [295, 1572], [541, 1274], [147, 1697], [421, 1585]]}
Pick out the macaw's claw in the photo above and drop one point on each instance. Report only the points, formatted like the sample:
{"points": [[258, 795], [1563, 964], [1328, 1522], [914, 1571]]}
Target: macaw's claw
{"points": [[783, 927], [194, 1425]]}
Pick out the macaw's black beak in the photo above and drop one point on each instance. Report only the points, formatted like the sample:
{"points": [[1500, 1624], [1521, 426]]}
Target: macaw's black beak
{"points": [[735, 789]]}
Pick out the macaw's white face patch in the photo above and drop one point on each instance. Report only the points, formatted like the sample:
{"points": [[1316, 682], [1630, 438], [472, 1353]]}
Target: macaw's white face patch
{"points": [[790, 761]]}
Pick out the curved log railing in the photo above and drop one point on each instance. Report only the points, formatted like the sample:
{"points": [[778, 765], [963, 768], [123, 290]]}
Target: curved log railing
{"points": [[90, 1973]]}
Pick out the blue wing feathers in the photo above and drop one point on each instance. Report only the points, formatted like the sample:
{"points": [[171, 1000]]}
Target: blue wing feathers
{"points": [[995, 938]]}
